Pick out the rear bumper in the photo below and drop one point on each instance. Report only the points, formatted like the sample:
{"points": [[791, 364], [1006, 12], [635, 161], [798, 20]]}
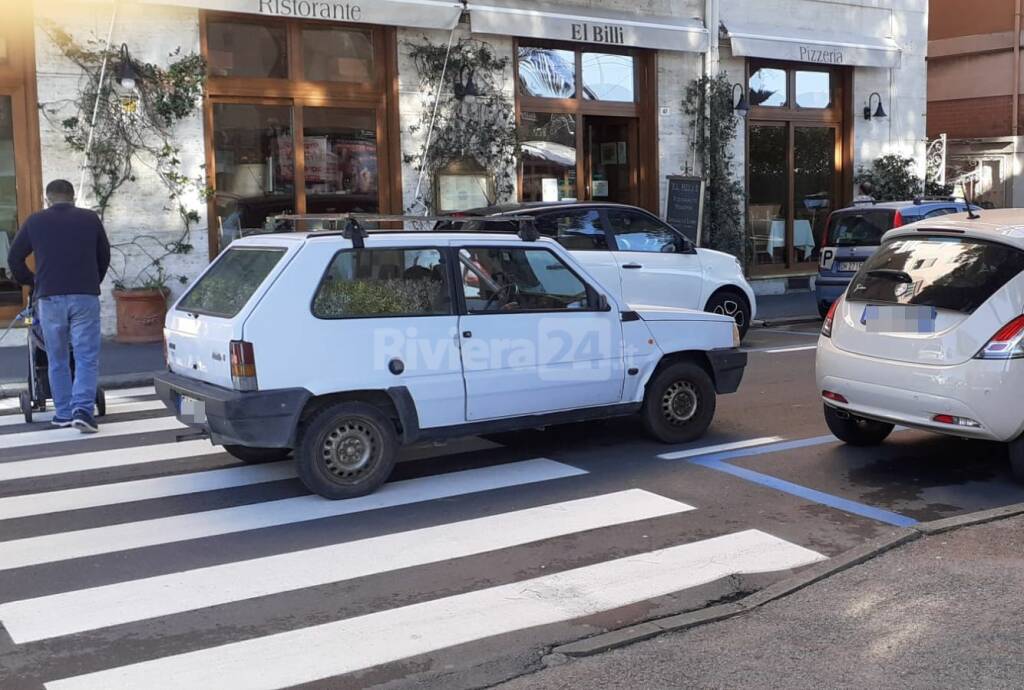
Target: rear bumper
{"points": [[912, 394], [260, 419], [727, 367]]}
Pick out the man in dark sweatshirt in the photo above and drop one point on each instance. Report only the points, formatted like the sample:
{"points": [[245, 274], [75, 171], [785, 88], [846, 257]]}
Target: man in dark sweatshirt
{"points": [[72, 255]]}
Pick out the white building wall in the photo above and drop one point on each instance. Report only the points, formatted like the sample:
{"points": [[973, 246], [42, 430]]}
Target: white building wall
{"points": [[141, 207]]}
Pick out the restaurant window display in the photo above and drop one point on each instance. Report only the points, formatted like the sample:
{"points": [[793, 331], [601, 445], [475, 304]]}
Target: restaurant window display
{"points": [[297, 125], [795, 162]]}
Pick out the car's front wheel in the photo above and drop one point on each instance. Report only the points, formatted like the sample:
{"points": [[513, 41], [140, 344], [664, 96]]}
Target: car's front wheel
{"points": [[255, 456], [346, 450], [854, 430], [679, 404], [731, 303]]}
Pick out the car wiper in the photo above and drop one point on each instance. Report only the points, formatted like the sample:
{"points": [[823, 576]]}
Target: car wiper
{"points": [[892, 274]]}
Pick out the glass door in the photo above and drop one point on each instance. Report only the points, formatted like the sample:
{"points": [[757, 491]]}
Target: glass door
{"points": [[768, 210], [610, 159], [814, 189], [10, 291]]}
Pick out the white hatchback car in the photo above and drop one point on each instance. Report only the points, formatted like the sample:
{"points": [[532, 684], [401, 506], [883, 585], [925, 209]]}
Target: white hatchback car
{"points": [[640, 258], [343, 347], [930, 334]]}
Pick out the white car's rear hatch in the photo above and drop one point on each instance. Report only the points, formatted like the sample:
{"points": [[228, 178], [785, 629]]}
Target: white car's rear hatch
{"points": [[930, 299], [200, 327]]}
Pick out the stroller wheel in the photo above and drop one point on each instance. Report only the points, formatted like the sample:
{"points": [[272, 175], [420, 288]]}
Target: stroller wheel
{"points": [[101, 402], [25, 400]]}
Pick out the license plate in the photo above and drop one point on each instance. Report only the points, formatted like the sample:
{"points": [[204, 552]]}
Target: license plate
{"points": [[191, 411], [892, 319], [849, 266]]}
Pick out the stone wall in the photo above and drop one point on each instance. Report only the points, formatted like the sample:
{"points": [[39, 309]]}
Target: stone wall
{"points": [[141, 207]]}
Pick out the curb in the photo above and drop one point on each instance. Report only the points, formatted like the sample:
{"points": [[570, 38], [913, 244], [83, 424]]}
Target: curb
{"points": [[808, 576], [784, 321], [108, 382]]}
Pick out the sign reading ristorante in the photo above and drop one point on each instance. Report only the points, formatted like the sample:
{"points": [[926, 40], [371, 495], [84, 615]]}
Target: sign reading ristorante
{"points": [[312, 9]]}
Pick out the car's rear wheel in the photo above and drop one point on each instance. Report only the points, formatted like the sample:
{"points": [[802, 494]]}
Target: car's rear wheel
{"points": [[346, 450], [1016, 449], [679, 404], [255, 456], [854, 430], [731, 303]]}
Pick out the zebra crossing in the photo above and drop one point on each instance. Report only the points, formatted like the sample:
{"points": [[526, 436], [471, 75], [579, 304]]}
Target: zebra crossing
{"points": [[126, 580]]}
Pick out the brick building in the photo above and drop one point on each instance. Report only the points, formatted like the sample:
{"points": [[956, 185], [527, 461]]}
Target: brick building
{"points": [[974, 90]]}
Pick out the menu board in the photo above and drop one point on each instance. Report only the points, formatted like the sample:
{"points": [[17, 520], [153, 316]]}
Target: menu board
{"points": [[685, 208]]}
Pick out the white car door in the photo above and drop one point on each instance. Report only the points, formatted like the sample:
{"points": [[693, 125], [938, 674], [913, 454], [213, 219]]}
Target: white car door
{"points": [[581, 230], [533, 338], [657, 266]]}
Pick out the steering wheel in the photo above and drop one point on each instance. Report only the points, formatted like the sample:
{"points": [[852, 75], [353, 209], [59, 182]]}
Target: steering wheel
{"points": [[506, 293]]}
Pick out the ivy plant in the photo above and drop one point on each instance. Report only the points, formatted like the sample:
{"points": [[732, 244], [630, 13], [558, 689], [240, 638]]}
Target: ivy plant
{"points": [[132, 127], [475, 118], [708, 104]]}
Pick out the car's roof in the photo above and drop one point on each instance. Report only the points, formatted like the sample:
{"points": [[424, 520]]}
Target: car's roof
{"points": [[922, 205], [383, 237], [1001, 225], [533, 206]]}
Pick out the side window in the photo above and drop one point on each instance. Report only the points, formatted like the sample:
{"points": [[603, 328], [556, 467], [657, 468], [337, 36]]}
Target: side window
{"points": [[498, 279], [638, 232], [384, 282], [574, 229], [940, 212]]}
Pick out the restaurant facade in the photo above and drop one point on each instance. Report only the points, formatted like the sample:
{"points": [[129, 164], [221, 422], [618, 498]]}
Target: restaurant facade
{"points": [[321, 106]]}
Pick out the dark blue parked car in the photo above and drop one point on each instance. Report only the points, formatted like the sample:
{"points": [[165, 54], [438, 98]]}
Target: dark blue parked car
{"points": [[853, 234]]}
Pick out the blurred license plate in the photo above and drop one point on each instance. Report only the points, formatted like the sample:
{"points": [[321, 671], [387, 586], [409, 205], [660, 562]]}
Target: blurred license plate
{"points": [[886, 319], [849, 266], [191, 410]]}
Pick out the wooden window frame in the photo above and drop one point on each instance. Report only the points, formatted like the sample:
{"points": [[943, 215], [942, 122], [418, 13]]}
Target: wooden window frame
{"points": [[298, 93], [839, 115], [642, 111]]}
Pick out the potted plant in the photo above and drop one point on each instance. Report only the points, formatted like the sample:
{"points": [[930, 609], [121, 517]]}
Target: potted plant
{"points": [[141, 308]]}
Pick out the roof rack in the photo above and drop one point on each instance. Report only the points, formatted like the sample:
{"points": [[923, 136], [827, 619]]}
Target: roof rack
{"points": [[352, 226], [918, 200]]}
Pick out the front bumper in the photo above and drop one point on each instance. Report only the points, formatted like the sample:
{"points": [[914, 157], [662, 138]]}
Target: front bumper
{"points": [[727, 367], [912, 394], [259, 419]]}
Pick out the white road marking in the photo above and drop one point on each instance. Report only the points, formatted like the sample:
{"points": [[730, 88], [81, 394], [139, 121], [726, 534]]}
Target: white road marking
{"points": [[340, 647], [100, 607], [113, 407], [48, 436], [102, 459], [62, 546], [142, 489], [790, 349], [720, 448], [12, 403]]}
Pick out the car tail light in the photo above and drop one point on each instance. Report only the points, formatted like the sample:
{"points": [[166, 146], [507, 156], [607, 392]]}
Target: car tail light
{"points": [[243, 366], [834, 397], [826, 327], [955, 421], [897, 219], [1007, 343]]}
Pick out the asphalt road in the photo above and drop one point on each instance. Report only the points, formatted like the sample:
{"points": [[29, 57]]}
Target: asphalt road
{"points": [[129, 560]]}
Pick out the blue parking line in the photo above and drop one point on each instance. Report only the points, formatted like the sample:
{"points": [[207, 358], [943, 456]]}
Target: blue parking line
{"points": [[716, 461]]}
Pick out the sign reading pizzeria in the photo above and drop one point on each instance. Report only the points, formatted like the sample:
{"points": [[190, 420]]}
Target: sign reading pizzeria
{"points": [[824, 56]]}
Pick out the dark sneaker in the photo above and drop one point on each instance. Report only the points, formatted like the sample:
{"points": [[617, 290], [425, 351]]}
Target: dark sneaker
{"points": [[61, 422], [84, 422]]}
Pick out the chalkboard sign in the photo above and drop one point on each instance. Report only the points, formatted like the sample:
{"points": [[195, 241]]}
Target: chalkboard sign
{"points": [[685, 208]]}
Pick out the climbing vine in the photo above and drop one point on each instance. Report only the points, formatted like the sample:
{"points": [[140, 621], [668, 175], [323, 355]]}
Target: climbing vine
{"points": [[708, 104], [475, 120], [133, 126]]}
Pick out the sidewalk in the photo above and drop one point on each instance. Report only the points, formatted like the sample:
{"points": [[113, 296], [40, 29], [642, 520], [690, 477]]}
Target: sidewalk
{"points": [[943, 611], [120, 365]]}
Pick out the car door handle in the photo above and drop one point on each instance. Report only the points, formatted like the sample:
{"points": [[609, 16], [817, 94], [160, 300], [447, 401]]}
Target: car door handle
{"points": [[467, 334], [632, 265]]}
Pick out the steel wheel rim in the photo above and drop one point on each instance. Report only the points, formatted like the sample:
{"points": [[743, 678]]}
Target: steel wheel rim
{"points": [[351, 450], [680, 402], [731, 307]]}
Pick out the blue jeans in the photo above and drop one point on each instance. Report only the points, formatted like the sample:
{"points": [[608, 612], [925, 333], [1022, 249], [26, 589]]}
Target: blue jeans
{"points": [[71, 322]]}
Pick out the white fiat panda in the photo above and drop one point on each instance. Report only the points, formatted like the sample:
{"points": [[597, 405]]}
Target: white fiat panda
{"points": [[930, 334], [342, 346]]}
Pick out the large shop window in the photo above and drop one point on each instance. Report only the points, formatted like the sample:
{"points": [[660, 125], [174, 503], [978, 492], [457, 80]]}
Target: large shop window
{"points": [[297, 121], [795, 135], [579, 117]]}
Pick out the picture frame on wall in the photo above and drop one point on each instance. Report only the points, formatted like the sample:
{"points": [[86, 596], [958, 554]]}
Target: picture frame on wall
{"points": [[609, 153], [462, 190]]}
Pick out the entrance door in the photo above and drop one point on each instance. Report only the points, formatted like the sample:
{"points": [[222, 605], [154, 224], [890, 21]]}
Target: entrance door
{"points": [[610, 159], [10, 157]]}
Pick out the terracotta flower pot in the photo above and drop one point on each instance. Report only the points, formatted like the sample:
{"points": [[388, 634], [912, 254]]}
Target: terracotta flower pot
{"points": [[140, 315]]}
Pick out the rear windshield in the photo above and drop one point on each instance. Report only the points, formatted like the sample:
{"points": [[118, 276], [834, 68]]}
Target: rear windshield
{"points": [[955, 273], [227, 286], [859, 229]]}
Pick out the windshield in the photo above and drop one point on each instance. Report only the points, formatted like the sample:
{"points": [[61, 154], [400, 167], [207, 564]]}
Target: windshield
{"points": [[945, 272], [859, 229], [231, 281]]}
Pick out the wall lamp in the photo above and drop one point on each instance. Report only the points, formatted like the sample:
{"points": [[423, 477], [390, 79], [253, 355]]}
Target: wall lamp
{"points": [[740, 107], [128, 74], [879, 112]]}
